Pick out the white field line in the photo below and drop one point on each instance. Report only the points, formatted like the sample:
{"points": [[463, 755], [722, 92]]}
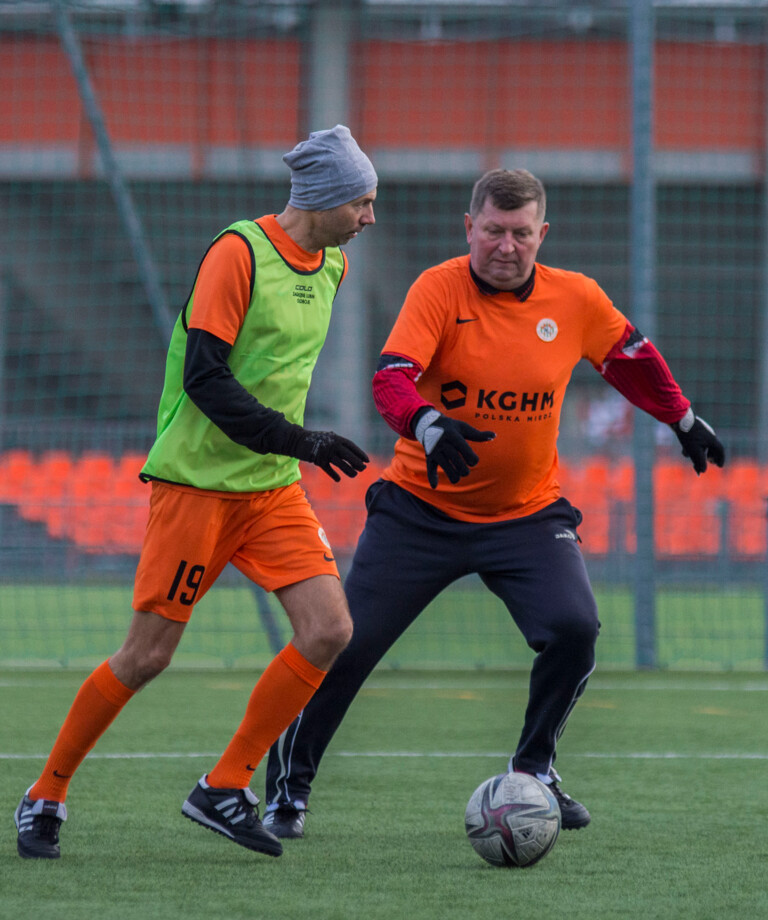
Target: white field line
{"points": [[633, 755], [607, 755], [592, 686], [595, 684]]}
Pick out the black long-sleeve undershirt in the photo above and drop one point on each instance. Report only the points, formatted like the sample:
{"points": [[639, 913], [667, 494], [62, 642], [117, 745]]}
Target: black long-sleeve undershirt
{"points": [[214, 389]]}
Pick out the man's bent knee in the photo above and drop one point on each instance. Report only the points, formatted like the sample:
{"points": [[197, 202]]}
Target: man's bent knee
{"points": [[339, 635], [322, 641], [579, 626], [333, 636], [137, 669], [319, 615]]}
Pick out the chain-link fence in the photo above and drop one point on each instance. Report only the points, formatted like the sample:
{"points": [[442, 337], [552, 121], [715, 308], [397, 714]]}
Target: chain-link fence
{"points": [[132, 131]]}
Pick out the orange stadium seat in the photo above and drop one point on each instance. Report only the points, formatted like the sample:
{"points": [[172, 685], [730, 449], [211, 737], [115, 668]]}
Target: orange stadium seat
{"points": [[128, 467], [47, 496], [586, 484], [623, 504], [623, 480], [686, 510], [746, 491], [129, 506], [745, 478], [99, 503], [97, 470], [16, 468], [603, 488]]}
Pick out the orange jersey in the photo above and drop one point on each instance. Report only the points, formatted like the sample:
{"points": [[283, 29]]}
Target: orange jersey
{"points": [[499, 362]]}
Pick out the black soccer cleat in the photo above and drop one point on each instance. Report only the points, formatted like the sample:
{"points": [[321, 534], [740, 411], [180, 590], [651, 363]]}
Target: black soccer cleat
{"points": [[286, 821], [38, 823], [232, 813], [573, 814]]}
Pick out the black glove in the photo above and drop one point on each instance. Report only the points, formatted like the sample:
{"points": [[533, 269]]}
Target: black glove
{"points": [[445, 445], [324, 448], [700, 443]]}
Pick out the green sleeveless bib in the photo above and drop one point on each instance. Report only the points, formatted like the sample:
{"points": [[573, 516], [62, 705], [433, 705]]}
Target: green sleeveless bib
{"points": [[273, 357]]}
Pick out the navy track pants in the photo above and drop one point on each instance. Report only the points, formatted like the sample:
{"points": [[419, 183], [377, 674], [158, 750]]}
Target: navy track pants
{"points": [[407, 554]]}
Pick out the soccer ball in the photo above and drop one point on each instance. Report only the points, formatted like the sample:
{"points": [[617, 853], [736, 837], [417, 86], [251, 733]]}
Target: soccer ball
{"points": [[512, 820]]}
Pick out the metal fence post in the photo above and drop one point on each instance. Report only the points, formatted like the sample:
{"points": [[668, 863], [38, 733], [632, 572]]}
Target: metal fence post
{"points": [[765, 596], [341, 394], [643, 303], [762, 408], [123, 200], [4, 296]]}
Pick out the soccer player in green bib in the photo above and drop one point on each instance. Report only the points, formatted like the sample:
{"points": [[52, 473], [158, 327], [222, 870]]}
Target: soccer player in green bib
{"points": [[224, 474]]}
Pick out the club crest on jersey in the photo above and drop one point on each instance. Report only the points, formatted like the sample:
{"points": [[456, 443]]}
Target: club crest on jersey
{"points": [[546, 330], [323, 537]]}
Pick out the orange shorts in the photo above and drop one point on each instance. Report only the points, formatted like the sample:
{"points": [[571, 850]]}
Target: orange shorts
{"points": [[272, 537]]}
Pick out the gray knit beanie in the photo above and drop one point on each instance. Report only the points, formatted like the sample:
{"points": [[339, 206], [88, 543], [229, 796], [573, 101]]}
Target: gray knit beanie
{"points": [[328, 169]]}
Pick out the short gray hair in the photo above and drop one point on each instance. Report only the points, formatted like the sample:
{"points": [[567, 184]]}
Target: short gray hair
{"points": [[508, 189]]}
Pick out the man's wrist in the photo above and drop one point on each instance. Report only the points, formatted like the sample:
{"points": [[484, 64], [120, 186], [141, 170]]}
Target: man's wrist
{"points": [[423, 421], [686, 422]]}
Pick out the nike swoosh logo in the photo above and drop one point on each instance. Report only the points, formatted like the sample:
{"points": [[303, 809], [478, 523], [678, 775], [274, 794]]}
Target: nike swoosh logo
{"points": [[328, 558], [474, 320], [249, 767], [62, 775]]}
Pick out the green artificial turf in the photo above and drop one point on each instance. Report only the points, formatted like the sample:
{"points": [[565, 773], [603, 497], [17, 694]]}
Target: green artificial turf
{"points": [[672, 767]]}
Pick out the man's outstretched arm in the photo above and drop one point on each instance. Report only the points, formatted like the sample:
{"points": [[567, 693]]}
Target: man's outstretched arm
{"points": [[636, 368]]}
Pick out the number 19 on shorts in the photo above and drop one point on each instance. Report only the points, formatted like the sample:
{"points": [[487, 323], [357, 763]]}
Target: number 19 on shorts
{"points": [[188, 579]]}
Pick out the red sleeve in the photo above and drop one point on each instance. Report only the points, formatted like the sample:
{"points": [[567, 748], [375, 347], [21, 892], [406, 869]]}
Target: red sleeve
{"points": [[395, 393], [635, 367]]}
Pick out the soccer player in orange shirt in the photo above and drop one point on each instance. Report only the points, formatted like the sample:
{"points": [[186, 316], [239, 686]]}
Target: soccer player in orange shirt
{"points": [[482, 353], [225, 477]]}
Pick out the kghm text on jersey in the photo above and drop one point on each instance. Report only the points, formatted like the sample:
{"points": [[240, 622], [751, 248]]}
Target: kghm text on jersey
{"points": [[509, 401], [455, 394]]}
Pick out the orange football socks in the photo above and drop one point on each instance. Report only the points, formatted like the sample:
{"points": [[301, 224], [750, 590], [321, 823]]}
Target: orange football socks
{"points": [[98, 701], [283, 690]]}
